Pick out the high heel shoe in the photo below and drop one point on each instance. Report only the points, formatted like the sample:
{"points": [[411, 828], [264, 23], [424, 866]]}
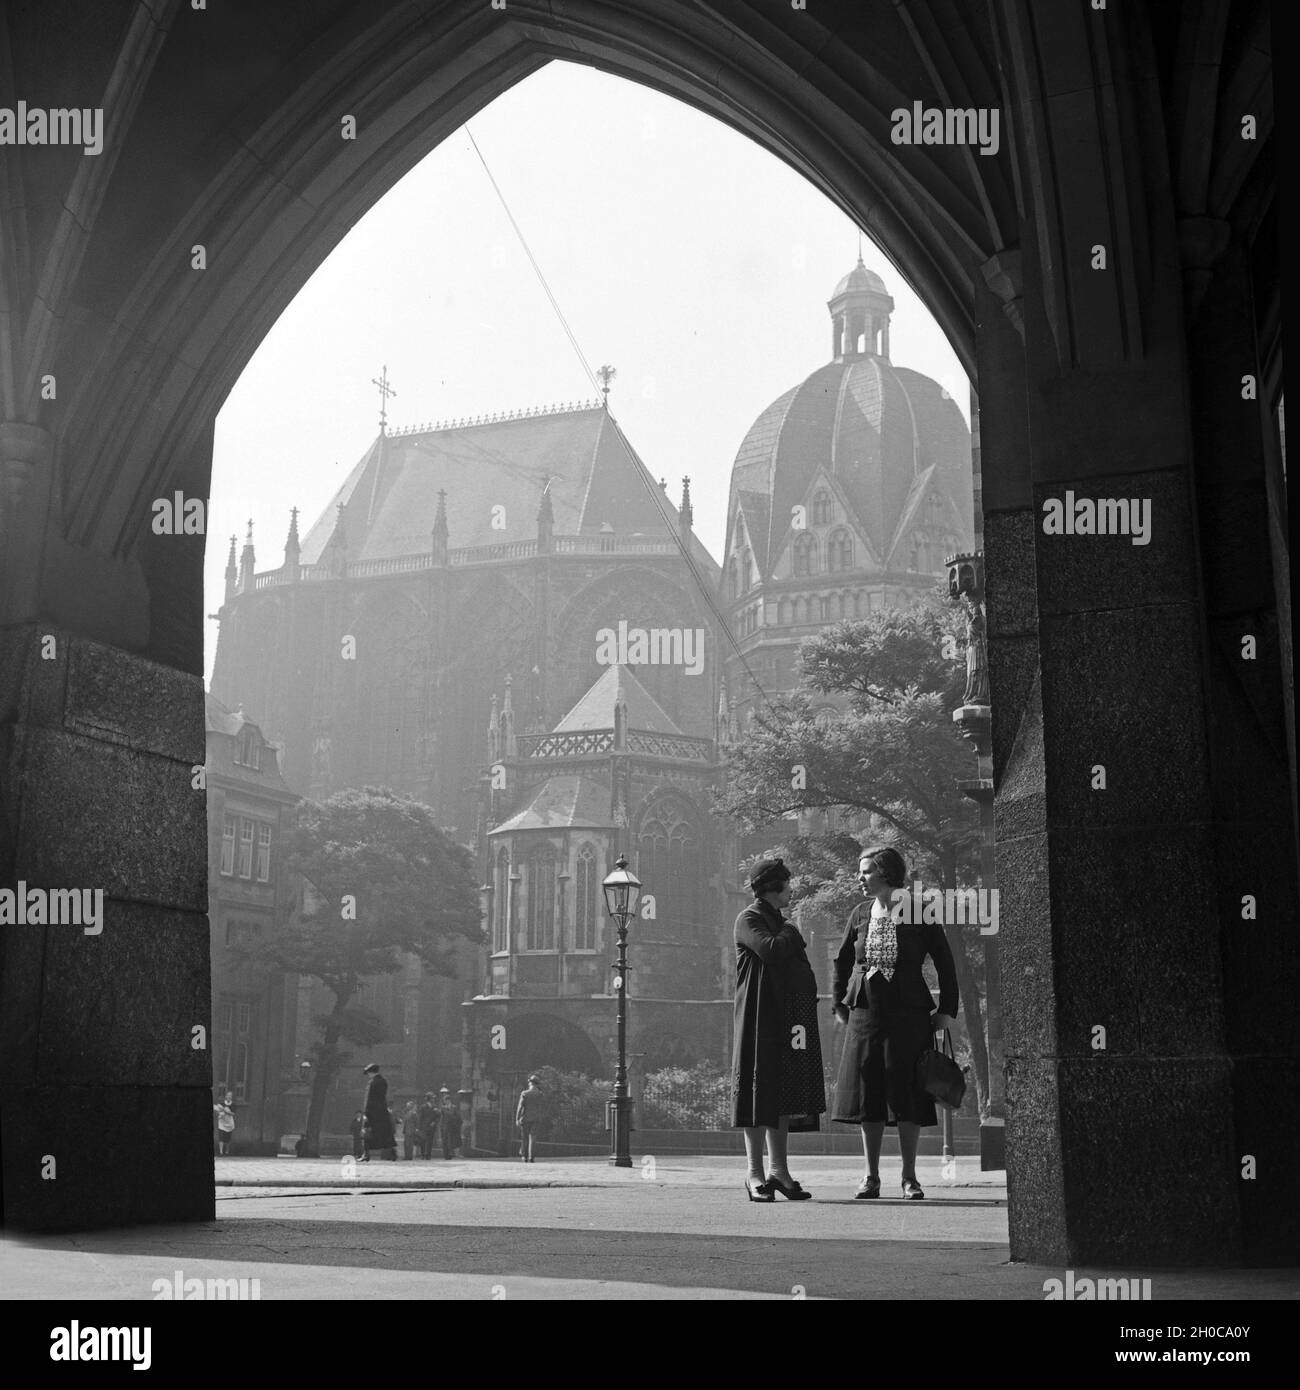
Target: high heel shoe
{"points": [[791, 1191], [761, 1188], [912, 1190]]}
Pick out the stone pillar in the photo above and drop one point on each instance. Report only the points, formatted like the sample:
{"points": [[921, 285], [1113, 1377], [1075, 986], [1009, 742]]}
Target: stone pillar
{"points": [[1251, 834], [100, 1086], [1124, 1144]]}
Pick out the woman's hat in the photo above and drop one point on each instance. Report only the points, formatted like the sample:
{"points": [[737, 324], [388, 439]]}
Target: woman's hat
{"points": [[372, 1066], [766, 875], [532, 1080]]}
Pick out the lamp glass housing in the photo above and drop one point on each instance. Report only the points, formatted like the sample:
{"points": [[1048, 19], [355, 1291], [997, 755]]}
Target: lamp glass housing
{"points": [[622, 891]]}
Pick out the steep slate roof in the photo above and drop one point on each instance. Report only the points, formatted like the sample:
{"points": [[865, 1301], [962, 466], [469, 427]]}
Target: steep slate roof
{"points": [[878, 429], [596, 708], [757, 507], [582, 800], [219, 719], [390, 497]]}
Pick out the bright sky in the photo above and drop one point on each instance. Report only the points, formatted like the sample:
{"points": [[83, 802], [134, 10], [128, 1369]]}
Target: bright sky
{"points": [[679, 251]]}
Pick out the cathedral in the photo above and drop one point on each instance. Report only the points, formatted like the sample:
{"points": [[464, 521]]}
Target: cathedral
{"points": [[507, 618]]}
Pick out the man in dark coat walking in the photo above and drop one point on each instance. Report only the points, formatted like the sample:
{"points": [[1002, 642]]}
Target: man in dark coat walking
{"points": [[379, 1123]]}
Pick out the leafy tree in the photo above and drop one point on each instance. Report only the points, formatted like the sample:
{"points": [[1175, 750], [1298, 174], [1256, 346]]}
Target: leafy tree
{"points": [[867, 740], [383, 881]]}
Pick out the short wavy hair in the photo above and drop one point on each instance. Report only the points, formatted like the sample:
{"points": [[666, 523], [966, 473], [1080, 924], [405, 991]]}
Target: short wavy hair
{"points": [[891, 864]]}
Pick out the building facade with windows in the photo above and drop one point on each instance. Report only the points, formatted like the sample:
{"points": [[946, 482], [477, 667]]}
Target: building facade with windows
{"points": [[616, 775], [456, 560], [250, 895]]}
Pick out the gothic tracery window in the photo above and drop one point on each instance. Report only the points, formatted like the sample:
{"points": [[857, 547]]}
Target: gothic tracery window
{"points": [[839, 551], [501, 903], [669, 865], [540, 934], [821, 508], [805, 554], [585, 890]]}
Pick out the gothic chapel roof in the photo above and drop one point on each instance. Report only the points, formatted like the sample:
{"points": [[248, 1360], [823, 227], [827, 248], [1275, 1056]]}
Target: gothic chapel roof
{"points": [[596, 708], [390, 498]]}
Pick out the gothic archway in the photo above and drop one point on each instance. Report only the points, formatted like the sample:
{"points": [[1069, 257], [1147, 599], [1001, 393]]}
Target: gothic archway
{"points": [[546, 1040]]}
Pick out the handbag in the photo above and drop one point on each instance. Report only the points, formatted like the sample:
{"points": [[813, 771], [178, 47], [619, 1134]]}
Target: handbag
{"points": [[938, 1075]]}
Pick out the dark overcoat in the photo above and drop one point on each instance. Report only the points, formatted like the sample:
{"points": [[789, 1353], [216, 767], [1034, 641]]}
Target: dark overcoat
{"points": [[379, 1123], [771, 964]]}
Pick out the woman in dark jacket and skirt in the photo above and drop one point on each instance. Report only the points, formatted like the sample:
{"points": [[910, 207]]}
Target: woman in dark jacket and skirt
{"points": [[881, 994], [777, 1058]]}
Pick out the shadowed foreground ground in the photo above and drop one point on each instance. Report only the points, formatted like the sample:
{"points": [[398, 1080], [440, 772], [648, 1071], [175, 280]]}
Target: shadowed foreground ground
{"points": [[687, 1233]]}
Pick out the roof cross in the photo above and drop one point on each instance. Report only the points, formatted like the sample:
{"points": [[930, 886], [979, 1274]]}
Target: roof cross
{"points": [[385, 391]]}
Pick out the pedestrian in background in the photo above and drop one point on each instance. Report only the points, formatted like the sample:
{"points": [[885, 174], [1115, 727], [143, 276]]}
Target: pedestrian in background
{"points": [[225, 1125], [428, 1124], [410, 1129], [356, 1129], [379, 1123], [530, 1110], [450, 1124]]}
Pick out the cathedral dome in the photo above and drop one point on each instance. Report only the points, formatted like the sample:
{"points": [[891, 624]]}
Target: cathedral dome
{"points": [[886, 447]]}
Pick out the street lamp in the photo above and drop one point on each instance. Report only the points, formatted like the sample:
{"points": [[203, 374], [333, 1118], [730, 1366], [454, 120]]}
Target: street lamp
{"points": [[622, 889]]}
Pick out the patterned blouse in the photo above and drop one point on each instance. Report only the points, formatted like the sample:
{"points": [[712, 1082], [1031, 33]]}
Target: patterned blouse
{"points": [[881, 948]]}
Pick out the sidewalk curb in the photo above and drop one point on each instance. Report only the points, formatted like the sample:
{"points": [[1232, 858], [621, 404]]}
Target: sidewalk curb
{"points": [[359, 1185]]}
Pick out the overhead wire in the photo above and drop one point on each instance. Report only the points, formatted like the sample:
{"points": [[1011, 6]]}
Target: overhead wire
{"points": [[638, 467]]}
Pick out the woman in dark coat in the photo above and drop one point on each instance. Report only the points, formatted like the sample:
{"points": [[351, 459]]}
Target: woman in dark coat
{"points": [[379, 1123], [777, 1059], [881, 995]]}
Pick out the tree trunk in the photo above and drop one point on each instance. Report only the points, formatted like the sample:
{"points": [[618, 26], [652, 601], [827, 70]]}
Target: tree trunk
{"points": [[328, 1062], [969, 991]]}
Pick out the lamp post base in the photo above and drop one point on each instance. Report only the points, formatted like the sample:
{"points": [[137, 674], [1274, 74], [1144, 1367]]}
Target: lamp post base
{"points": [[622, 1155]]}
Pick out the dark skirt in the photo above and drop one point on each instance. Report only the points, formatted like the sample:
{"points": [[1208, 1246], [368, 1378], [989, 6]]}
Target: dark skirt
{"points": [[877, 1075], [802, 1082]]}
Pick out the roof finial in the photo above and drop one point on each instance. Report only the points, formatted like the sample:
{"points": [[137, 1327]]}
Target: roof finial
{"points": [[605, 375], [385, 390]]}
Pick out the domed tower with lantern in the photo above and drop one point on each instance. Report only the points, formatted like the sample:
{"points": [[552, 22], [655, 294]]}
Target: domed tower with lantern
{"points": [[847, 494]]}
